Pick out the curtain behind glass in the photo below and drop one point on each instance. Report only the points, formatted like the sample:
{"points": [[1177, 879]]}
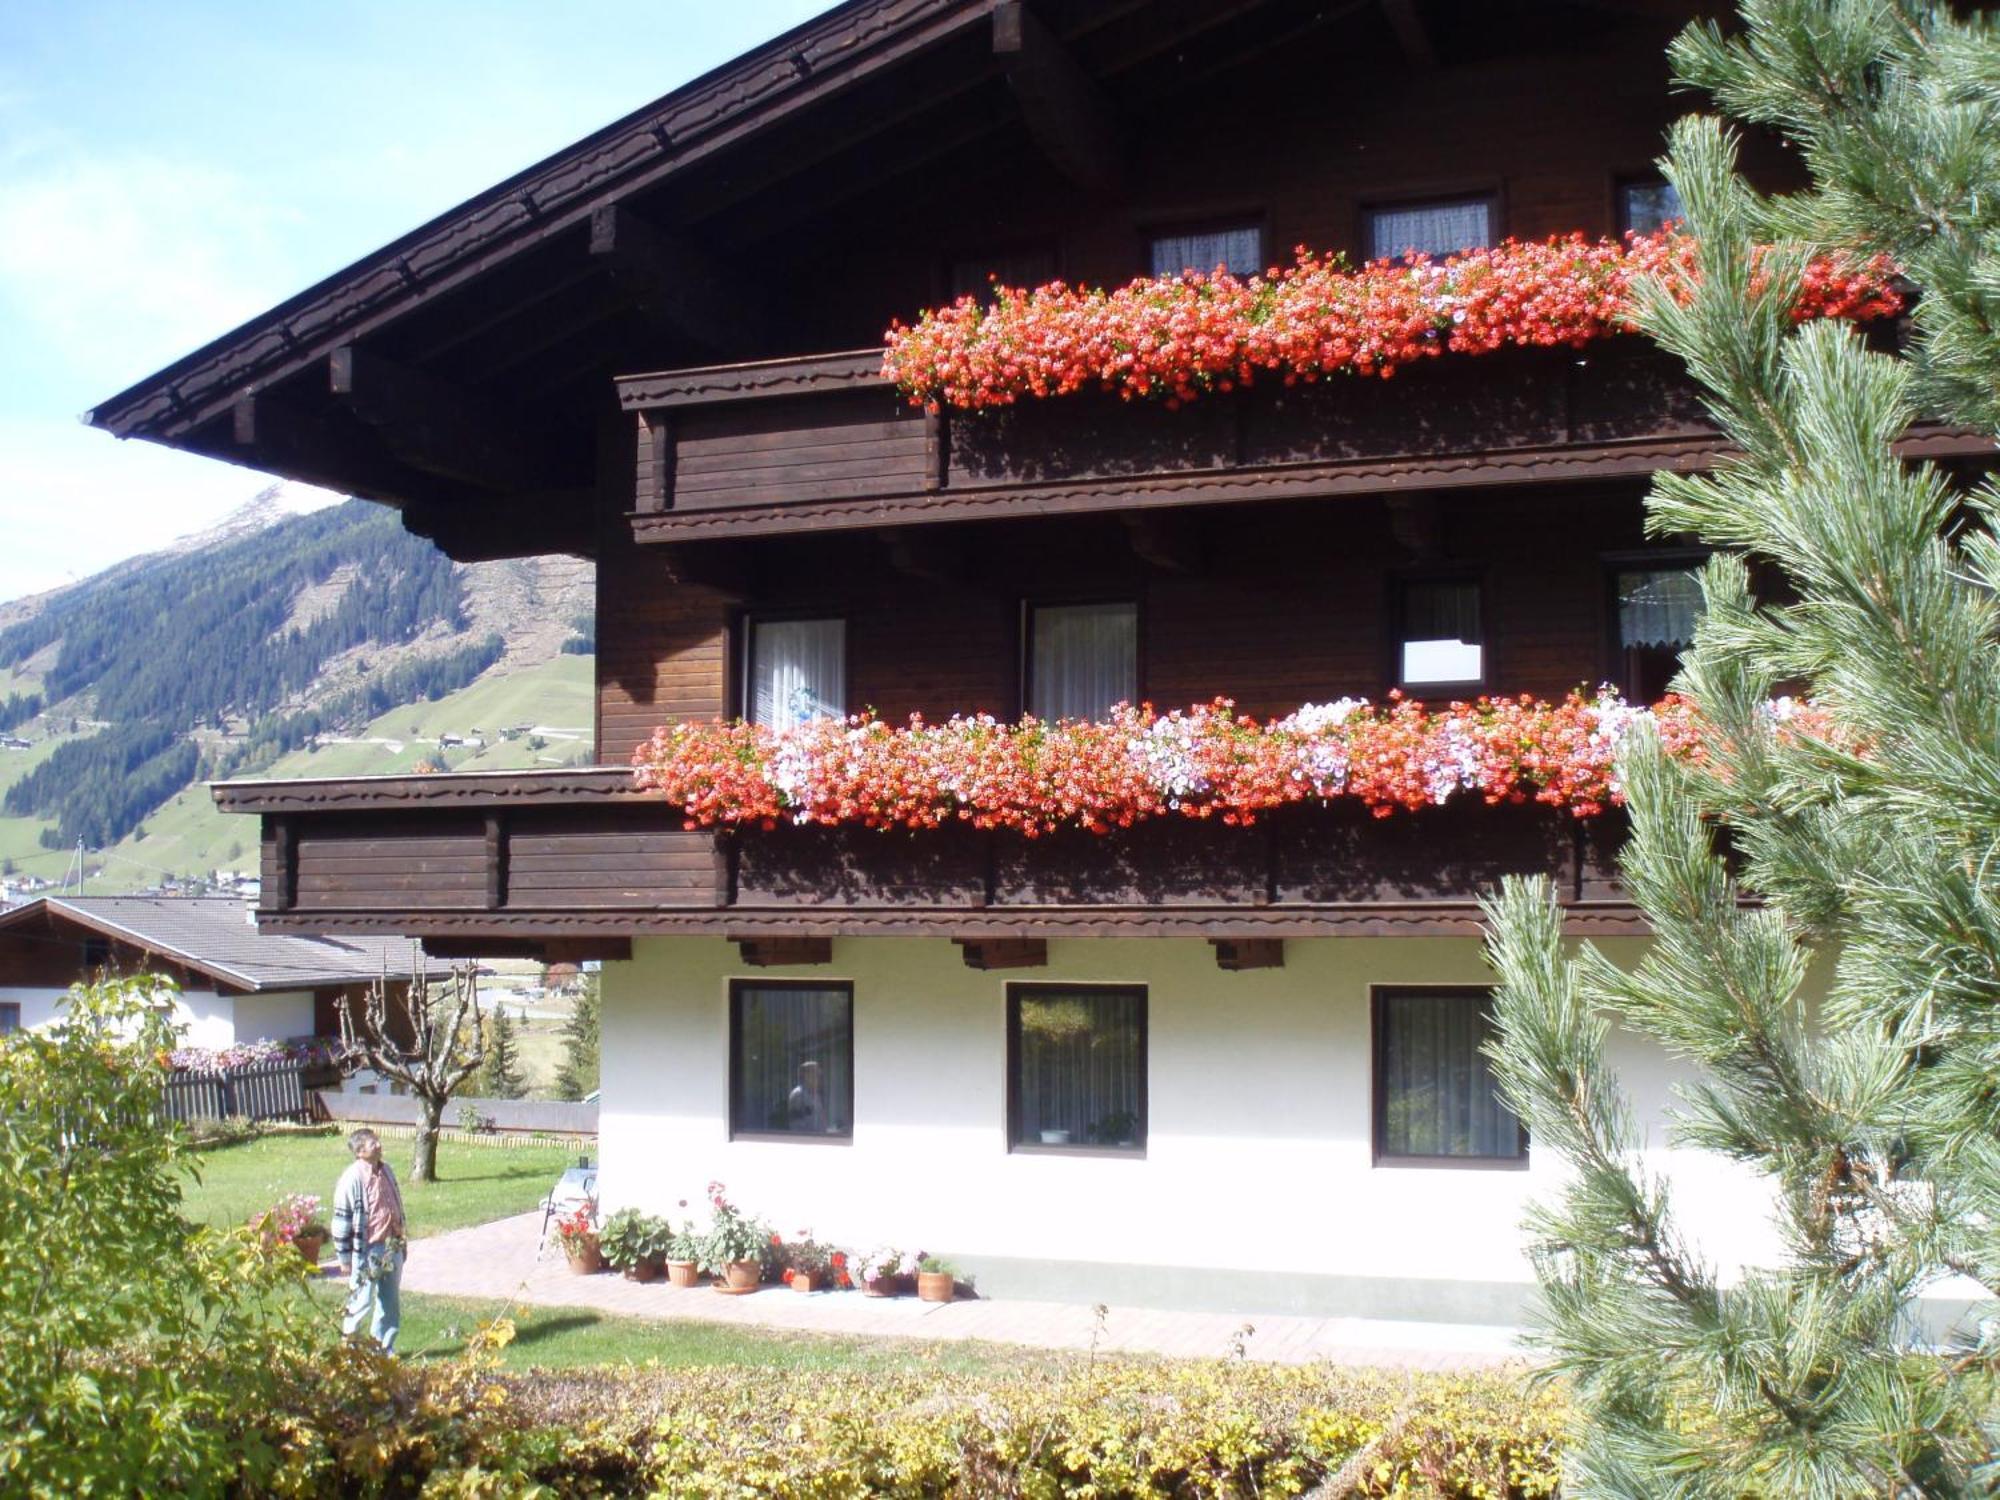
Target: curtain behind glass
{"points": [[1082, 1069], [1438, 1095], [1658, 607], [1440, 633], [1086, 658], [1647, 206], [1241, 251], [794, 1061], [1430, 228], [798, 671]]}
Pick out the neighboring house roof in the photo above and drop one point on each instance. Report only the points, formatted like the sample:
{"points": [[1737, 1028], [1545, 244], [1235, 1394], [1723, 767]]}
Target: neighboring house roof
{"points": [[215, 938]]}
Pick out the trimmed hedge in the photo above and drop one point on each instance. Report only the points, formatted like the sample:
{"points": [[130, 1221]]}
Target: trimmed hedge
{"points": [[1112, 1428]]}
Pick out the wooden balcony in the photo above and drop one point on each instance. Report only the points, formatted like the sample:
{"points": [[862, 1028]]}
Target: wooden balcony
{"points": [[826, 442], [483, 860]]}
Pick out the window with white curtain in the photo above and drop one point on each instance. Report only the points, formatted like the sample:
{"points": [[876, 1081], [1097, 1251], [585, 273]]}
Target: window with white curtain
{"points": [[1435, 1097], [1238, 248], [1438, 633], [797, 670], [1657, 611], [1082, 659], [1076, 1059], [1648, 205], [791, 1059], [1441, 227]]}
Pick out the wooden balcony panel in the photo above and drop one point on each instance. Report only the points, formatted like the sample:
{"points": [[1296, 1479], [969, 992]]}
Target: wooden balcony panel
{"points": [[561, 855]]}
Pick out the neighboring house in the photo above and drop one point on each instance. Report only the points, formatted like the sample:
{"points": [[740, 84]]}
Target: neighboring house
{"points": [[236, 984], [1175, 1062]]}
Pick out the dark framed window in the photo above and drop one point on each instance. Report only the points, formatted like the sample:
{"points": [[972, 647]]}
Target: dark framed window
{"points": [[794, 670], [1081, 659], [975, 275], [10, 1016], [96, 952], [1238, 248], [1654, 608], [1436, 1103], [1076, 1068], [1440, 637], [1433, 226], [1647, 205], [791, 1059]]}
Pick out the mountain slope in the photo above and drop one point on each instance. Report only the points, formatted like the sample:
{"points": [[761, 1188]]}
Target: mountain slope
{"points": [[276, 644]]}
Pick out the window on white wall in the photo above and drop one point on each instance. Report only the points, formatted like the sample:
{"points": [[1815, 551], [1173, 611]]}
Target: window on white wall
{"points": [[1440, 227], [1076, 1067], [10, 1016], [1082, 659], [791, 1059], [1436, 1101], [796, 671]]}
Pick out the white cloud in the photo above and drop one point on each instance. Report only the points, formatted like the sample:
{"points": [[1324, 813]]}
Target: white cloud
{"points": [[118, 264], [74, 501]]}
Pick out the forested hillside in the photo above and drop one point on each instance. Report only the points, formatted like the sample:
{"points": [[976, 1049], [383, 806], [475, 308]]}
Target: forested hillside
{"points": [[219, 659]]}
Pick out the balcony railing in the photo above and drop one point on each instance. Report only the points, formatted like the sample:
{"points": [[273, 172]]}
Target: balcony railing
{"points": [[575, 854]]}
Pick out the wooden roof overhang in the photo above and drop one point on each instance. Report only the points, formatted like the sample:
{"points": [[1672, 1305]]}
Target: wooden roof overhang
{"points": [[826, 443], [474, 861], [461, 372]]}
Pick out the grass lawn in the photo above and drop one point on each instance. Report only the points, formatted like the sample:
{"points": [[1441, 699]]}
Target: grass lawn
{"points": [[477, 1183], [561, 1338]]}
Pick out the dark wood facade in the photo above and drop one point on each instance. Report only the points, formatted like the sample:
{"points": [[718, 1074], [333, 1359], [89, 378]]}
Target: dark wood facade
{"points": [[480, 374]]}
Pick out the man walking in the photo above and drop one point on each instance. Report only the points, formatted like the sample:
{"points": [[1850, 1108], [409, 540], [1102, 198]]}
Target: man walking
{"points": [[368, 1237]]}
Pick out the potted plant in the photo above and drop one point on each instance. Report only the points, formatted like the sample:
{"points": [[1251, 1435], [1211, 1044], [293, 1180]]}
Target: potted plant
{"points": [[937, 1279], [882, 1272], [294, 1221], [736, 1246], [576, 1232], [635, 1243], [683, 1254], [808, 1264]]}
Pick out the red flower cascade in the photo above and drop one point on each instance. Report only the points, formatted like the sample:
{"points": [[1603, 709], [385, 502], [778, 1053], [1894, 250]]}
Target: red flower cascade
{"points": [[1175, 337]]}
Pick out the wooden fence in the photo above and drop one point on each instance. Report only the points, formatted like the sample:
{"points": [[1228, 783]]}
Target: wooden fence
{"points": [[255, 1091]]}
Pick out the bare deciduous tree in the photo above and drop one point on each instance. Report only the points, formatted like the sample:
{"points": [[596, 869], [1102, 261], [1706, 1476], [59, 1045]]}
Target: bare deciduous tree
{"points": [[440, 1043]]}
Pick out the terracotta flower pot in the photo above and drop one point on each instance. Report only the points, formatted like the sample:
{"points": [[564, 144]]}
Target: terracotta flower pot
{"points": [[935, 1286], [683, 1273], [805, 1281], [742, 1275], [645, 1270], [585, 1259], [310, 1244], [883, 1286]]}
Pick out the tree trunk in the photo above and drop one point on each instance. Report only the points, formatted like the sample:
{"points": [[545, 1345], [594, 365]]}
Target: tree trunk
{"points": [[424, 1168]]}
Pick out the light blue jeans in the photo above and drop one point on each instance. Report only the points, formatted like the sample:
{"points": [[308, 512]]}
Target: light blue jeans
{"points": [[374, 1296]]}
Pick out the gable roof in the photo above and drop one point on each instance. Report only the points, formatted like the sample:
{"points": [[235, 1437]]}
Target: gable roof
{"points": [[711, 113], [215, 938]]}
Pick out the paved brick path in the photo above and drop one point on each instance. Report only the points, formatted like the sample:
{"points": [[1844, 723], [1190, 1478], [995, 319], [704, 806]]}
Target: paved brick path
{"points": [[499, 1261]]}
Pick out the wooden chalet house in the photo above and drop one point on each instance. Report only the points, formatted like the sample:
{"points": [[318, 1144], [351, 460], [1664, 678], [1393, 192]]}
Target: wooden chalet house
{"points": [[1107, 1065]]}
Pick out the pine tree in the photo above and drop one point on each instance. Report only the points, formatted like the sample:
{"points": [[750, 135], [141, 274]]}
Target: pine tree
{"points": [[1866, 839], [576, 1074], [501, 1077]]}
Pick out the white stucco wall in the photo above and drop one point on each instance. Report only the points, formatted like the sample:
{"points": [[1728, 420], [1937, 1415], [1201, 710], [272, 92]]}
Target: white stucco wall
{"points": [[206, 1018], [1258, 1152]]}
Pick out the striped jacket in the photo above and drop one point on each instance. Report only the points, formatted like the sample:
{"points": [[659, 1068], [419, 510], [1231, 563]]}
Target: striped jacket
{"points": [[350, 1209]]}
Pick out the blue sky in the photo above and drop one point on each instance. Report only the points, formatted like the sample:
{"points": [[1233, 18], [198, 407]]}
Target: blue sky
{"points": [[167, 170]]}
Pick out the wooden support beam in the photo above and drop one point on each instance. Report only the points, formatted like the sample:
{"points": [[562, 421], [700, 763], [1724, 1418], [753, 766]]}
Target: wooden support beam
{"points": [[656, 463], [723, 568], [1004, 953], [1170, 543], [271, 434], [677, 281], [1410, 33], [925, 553], [496, 860], [524, 525], [1417, 525], [777, 952], [1066, 113], [1233, 955], [432, 426]]}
